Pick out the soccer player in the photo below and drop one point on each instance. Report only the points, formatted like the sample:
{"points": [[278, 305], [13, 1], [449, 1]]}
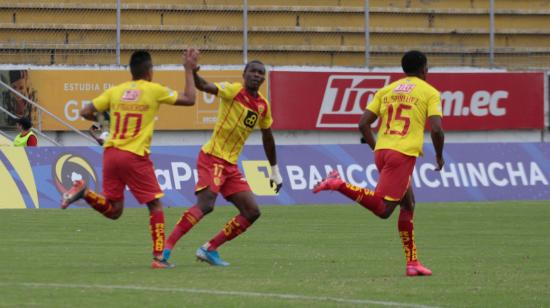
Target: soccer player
{"points": [[242, 108], [403, 108], [133, 106]]}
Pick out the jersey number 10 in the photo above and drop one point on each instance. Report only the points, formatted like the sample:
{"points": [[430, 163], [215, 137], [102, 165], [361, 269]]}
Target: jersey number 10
{"points": [[399, 117], [121, 133]]}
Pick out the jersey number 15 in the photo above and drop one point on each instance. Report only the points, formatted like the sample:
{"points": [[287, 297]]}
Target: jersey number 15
{"points": [[399, 117]]}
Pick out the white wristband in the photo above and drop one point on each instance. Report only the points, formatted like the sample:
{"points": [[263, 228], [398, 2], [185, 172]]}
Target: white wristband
{"points": [[275, 171], [275, 174]]}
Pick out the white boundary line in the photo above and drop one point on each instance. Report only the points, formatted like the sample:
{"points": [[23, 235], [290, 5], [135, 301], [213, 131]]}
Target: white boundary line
{"points": [[226, 293]]}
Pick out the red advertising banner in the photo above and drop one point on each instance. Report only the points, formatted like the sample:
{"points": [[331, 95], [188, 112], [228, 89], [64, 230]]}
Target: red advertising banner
{"points": [[470, 101]]}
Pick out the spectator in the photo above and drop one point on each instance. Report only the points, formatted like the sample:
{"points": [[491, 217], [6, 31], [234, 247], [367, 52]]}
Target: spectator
{"points": [[26, 137]]}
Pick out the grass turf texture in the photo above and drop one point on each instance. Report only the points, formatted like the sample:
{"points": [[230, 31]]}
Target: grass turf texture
{"points": [[482, 255]]}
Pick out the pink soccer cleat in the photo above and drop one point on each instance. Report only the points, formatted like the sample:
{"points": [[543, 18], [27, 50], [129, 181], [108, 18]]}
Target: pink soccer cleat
{"points": [[159, 263], [417, 269], [76, 192], [332, 182]]}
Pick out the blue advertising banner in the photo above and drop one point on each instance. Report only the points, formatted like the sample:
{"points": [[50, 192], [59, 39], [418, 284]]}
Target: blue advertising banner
{"points": [[36, 177]]}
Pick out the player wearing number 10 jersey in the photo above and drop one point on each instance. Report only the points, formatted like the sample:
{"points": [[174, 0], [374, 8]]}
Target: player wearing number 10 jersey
{"points": [[133, 106], [403, 108]]}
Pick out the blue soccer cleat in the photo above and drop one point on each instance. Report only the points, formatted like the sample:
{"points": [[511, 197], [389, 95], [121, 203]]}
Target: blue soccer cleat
{"points": [[166, 254], [211, 257]]}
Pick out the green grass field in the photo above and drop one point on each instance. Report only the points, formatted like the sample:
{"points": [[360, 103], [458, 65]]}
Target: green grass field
{"points": [[482, 255]]}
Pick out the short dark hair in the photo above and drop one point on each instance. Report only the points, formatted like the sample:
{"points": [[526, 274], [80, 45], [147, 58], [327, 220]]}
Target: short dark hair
{"points": [[253, 61], [413, 61], [24, 122], [16, 75], [140, 64]]}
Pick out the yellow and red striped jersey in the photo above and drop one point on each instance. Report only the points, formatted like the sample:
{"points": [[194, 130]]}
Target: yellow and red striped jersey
{"points": [[238, 114], [133, 107], [403, 108]]}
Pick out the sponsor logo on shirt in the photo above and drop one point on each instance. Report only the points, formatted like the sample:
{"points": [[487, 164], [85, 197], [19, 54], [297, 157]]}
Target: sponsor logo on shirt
{"points": [[130, 95], [250, 119]]}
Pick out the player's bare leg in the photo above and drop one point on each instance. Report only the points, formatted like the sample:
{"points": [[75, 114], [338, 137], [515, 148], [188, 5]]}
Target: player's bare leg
{"points": [[108, 208], [206, 199], [406, 233], [249, 211]]}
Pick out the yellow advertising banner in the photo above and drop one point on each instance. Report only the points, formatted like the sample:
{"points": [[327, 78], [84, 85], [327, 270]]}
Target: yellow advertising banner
{"points": [[64, 92]]}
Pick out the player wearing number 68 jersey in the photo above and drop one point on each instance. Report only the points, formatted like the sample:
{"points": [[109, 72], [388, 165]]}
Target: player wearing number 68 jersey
{"points": [[403, 108], [242, 108], [133, 106]]}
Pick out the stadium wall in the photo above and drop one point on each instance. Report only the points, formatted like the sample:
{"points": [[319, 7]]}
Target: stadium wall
{"points": [[37, 177], [63, 90]]}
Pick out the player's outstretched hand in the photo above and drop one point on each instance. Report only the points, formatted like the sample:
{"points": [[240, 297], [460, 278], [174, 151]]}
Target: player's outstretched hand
{"points": [[95, 127], [276, 187], [191, 58], [275, 179], [440, 162]]}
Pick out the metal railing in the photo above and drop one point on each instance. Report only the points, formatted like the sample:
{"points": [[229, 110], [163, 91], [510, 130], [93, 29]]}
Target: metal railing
{"points": [[36, 131], [6, 135], [44, 110]]}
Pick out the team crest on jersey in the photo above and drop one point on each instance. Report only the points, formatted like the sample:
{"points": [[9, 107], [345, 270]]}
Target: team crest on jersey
{"points": [[130, 95], [261, 109], [250, 119], [404, 88]]}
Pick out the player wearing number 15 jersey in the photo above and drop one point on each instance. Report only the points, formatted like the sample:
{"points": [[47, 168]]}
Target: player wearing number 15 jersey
{"points": [[403, 108], [133, 106]]}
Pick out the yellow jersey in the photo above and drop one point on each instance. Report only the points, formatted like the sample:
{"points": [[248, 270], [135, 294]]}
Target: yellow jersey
{"points": [[239, 113], [133, 108], [403, 108]]}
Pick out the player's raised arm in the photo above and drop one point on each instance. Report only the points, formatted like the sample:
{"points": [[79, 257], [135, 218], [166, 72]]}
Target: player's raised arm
{"points": [[365, 123], [190, 63], [438, 140], [268, 140], [202, 84]]}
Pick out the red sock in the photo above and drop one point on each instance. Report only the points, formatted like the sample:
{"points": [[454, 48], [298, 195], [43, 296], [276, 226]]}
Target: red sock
{"points": [[365, 197], [186, 222], [156, 227], [406, 232], [99, 203], [232, 229]]}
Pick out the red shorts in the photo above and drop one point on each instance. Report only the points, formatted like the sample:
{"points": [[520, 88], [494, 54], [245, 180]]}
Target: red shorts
{"points": [[121, 168], [219, 176], [395, 173]]}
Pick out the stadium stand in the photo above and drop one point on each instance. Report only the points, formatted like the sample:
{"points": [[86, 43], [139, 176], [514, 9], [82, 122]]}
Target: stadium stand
{"points": [[326, 32]]}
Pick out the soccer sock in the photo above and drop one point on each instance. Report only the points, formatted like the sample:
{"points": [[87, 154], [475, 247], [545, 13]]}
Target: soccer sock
{"points": [[406, 232], [156, 227], [99, 203], [192, 216], [232, 229], [365, 197]]}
